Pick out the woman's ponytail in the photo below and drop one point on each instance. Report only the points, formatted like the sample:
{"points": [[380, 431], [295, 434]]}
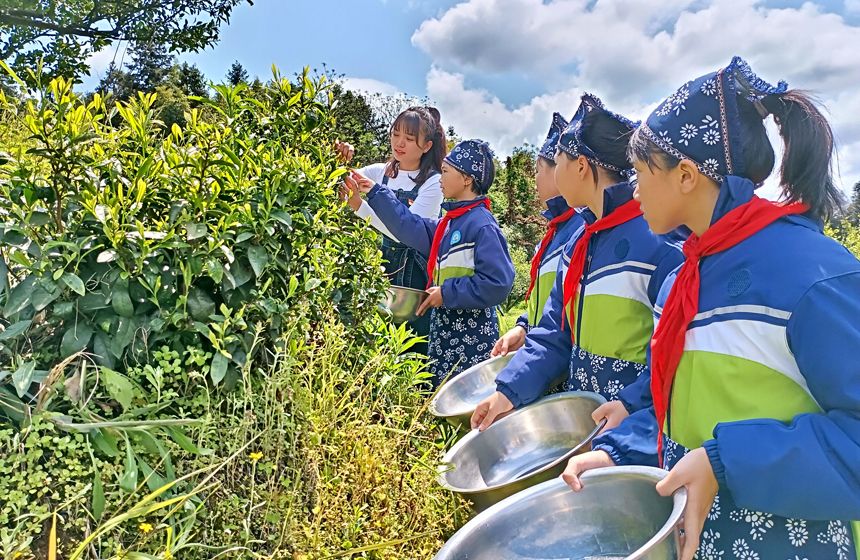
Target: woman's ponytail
{"points": [[806, 174]]}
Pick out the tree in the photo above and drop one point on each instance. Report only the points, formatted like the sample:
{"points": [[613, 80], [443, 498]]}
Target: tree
{"points": [[189, 79], [237, 74], [852, 213], [359, 124], [63, 34], [116, 82], [150, 66]]}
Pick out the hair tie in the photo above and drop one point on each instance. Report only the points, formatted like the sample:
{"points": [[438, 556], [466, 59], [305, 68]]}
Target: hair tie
{"points": [[762, 110]]}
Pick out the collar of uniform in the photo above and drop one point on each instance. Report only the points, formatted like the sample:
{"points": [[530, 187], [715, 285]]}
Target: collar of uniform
{"points": [[453, 205], [555, 207], [735, 191]]}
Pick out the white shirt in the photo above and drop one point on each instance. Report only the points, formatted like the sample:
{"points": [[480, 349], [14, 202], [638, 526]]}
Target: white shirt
{"points": [[427, 204]]}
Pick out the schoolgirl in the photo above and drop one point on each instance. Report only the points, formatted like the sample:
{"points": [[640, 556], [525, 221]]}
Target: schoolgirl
{"points": [[563, 222], [597, 325], [466, 253], [755, 379]]}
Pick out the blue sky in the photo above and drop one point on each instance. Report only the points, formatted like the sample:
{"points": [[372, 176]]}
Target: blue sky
{"points": [[497, 69]]}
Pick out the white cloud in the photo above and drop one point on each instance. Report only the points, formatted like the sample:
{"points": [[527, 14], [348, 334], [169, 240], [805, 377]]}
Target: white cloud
{"points": [[99, 62], [371, 86], [631, 53]]}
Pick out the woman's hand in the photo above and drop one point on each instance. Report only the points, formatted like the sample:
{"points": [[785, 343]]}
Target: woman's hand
{"points": [[433, 300], [613, 411], [693, 471], [491, 409], [350, 196], [345, 151], [510, 341], [585, 462], [358, 182]]}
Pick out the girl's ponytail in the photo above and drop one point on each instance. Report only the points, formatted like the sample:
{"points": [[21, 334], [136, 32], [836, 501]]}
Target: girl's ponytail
{"points": [[806, 174]]}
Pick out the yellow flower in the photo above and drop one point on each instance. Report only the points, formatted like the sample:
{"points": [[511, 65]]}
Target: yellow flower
{"points": [[255, 456], [145, 528]]}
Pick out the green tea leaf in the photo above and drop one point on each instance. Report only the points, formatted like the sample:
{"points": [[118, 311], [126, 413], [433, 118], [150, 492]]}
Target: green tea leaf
{"points": [[74, 283], [23, 376], [195, 231], [45, 291], [218, 369], [19, 297], [76, 338], [258, 258], [15, 329], [107, 256], [119, 387], [200, 305], [120, 300]]}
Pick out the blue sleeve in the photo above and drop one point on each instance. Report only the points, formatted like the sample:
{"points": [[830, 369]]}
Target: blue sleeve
{"points": [[409, 228], [637, 395], [633, 442], [523, 321], [817, 455], [544, 360], [493, 277]]}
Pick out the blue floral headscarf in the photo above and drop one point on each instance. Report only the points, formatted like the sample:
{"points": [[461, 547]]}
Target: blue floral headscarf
{"points": [[475, 159], [701, 121], [572, 143]]}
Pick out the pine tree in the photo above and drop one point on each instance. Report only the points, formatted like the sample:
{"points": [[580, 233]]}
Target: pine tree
{"points": [[237, 74]]}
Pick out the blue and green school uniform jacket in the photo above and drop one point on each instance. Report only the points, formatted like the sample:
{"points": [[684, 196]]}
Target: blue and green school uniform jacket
{"points": [[474, 267], [625, 267], [769, 385], [550, 261]]}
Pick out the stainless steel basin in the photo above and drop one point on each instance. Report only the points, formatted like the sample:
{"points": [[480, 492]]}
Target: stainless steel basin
{"points": [[520, 450], [401, 303], [617, 515], [457, 398]]}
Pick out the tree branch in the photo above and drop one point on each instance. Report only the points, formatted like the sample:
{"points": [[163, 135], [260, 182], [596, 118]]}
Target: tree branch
{"points": [[9, 19]]}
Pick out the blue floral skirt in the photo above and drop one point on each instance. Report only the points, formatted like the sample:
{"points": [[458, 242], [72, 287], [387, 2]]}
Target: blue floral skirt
{"points": [[735, 533], [459, 339], [600, 374]]}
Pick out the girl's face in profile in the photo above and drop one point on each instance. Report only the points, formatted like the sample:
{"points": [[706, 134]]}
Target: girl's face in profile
{"points": [[455, 184]]}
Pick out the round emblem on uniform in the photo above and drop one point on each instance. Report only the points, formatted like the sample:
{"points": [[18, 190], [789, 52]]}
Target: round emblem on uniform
{"points": [[739, 282], [456, 237], [622, 248]]}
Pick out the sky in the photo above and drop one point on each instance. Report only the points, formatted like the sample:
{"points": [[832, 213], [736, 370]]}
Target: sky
{"points": [[498, 69]]}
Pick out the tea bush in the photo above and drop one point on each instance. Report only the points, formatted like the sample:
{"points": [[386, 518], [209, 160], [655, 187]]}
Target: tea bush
{"points": [[190, 359]]}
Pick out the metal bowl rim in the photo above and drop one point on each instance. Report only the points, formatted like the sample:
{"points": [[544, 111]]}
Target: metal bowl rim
{"points": [[406, 289], [475, 433], [679, 502], [452, 380]]}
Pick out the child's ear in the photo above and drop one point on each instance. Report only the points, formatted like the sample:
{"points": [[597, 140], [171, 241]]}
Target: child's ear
{"points": [[473, 185], [428, 146]]}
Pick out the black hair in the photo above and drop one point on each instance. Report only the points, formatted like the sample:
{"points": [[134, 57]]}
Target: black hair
{"points": [[482, 187], [608, 137], [421, 122], [548, 161], [806, 174]]}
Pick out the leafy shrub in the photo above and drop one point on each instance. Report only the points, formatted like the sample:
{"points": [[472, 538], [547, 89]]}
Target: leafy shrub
{"points": [[118, 240], [190, 312]]}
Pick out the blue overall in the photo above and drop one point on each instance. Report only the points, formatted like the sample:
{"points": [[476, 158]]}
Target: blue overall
{"points": [[405, 266]]}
